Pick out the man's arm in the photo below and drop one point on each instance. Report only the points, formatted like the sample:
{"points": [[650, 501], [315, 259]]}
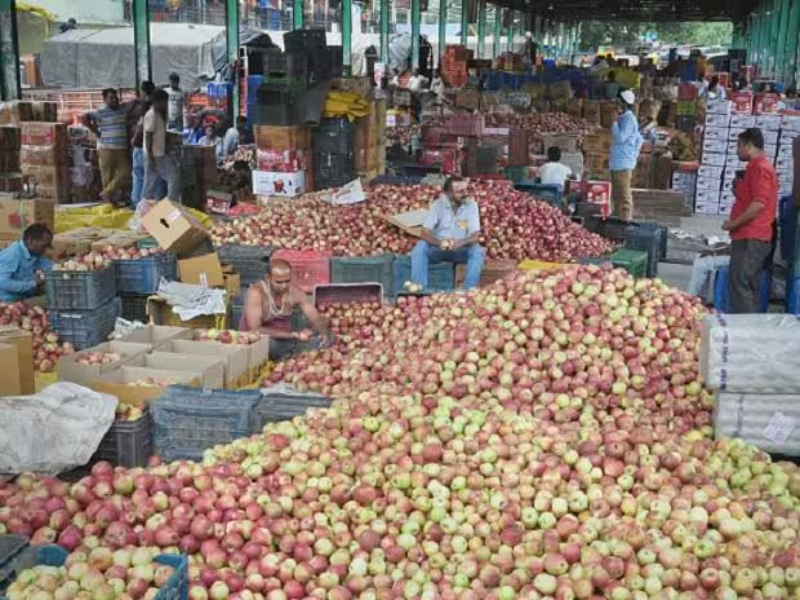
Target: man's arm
{"points": [[623, 129], [43, 264], [429, 224], [750, 213], [8, 266], [148, 143], [253, 307], [318, 323], [89, 121]]}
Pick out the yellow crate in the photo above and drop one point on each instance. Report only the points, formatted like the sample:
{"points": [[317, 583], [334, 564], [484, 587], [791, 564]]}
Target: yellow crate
{"points": [[540, 265]]}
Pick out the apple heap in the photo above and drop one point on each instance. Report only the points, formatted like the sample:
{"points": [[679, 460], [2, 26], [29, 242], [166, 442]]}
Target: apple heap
{"points": [[46, 347], [130, 253], [97, 572], [227, 336], [515, 225], [93, 261], [98, 358]]}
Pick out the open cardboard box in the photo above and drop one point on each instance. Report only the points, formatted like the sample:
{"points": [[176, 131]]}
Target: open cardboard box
{"points": [[10, 382], [174, 227], [23, 341], [117, 383], [155, 335], [410, 222], [210, 368], [69, 369], [237, 358], [258, 353]]}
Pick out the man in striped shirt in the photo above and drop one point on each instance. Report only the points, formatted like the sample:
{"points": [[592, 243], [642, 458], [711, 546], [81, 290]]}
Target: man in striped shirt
{"points": [[110, 126]]}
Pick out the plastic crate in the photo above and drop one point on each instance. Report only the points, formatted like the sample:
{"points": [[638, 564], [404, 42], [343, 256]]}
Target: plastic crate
{"points": [[142, 275], [83, 290], [516, 174], [552, 194], [291, 64], [251, 262], [85, 328], [663, 240], [364, 269], [334, 136], [127, 443], [647, 240], [133, 307], [722, 300], [633, 261], [614, 228], [309, 268], [282, 406], [176, 588], [303, 39], [188, 420], [347, 293], [793, 296], [441, 276], [11, 546], [589, 210]]}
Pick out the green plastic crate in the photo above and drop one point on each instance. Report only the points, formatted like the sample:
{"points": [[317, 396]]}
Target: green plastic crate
{"points": [[633, 261], [516, 174], [364, 269]]}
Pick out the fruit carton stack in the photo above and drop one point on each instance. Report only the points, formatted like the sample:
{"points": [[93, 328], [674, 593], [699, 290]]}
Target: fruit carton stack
{"points": [[784, 161], [10, 178], [747, 360], [454, 64], [44, 160], [597, 148], [370, 142], [84, 172], [284, 160]]}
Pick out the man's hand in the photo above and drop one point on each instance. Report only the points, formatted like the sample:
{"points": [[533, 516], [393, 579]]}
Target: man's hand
{"points": [[305, 335], [39, 278], [728, 225], [448, 244]]}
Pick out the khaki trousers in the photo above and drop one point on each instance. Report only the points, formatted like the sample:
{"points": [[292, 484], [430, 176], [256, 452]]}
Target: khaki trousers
{"points": [[115, 169], [621, 194]]}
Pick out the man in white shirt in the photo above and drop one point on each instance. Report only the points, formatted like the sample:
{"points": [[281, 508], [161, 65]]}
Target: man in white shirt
{"points": [[159, 162], [416, 82], [177, 102], [553, 172]]}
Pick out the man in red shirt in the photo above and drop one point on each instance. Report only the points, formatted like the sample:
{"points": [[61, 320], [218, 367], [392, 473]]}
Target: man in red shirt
{"points": [[751, 222]]}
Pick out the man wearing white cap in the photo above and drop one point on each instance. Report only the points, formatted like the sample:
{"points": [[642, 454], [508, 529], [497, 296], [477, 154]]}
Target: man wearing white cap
{"points": [[626, 141]]}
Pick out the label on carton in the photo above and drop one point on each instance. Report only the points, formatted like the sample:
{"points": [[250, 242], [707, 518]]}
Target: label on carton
{"points": [[174, 215], [779, 428]]}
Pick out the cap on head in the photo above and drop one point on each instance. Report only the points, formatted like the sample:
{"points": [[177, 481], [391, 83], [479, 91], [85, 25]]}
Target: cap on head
{"points": [[628, 97]]}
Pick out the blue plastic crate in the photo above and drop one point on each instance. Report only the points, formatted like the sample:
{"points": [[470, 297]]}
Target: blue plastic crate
{"points": [[141, 275], [85, 328], [441, 276], [189, 420], [793, 296], [177, 588], [787, 220], [83, 290], [663, 239], [277, 406], [722, 300], [648, 240], [11, 546]]}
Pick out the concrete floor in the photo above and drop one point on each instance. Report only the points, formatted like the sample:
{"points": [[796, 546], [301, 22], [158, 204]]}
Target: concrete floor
{"points": [[678, 275]]}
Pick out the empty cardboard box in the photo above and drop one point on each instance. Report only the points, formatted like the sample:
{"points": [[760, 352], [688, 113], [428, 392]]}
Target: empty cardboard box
{"points": [[174, 228]]}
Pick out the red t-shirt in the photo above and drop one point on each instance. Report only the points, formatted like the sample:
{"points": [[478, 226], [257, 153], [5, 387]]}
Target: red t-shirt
{"points": [[759, 184]]}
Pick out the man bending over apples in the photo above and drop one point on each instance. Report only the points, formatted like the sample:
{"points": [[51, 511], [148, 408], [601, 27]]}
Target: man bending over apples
{"points": [[450, 233], [268, 308]]}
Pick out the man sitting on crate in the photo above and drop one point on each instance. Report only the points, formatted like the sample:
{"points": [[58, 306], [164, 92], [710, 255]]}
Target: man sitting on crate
{"points": [[23, 264], [450, 233], [268, 308]]}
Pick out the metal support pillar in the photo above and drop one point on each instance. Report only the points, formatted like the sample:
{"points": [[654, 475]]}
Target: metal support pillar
{"points": [[793, 31], [498, 18], [347, 37], [297, 14], [416, 19], [143, 63], [780, 39], [10, 84], [385, 35], [481, 49], [464, 24], [510, 33], [772, 33], [442, 30], [232, 37]]}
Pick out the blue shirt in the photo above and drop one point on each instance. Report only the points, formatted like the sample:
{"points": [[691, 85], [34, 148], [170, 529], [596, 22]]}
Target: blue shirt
{"points": [[112, 125], [445, 224], [626, 141], [17, 272]]}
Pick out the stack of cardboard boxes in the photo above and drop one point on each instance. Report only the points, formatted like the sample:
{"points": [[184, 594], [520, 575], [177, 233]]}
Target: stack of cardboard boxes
{"points": [[17, 215], [10, 177], [284, 161], [597, 147], [370, 142], [784, 163], [16, 356], [45, 161], [84, 173]]}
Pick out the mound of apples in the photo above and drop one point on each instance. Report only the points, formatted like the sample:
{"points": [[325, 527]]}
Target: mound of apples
{"points": [[93, 261], [99, 358], [97, 573], [46, 347], [131, 253], [227, 336]]}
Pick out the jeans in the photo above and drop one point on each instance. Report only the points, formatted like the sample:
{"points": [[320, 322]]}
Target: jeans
{"points": [[138, 179], [166, 168], [702, 268], [423, 255], [744, 279]]}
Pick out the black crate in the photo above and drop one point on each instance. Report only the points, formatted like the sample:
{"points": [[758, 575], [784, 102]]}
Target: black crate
{"points": [[282, 406], [282, 115], [251, 262], [143, 275], [85, 328], [133, 307], [127, 443], [82, 290], [290, 64], [285, 83], [303, 39], [334, 136]]}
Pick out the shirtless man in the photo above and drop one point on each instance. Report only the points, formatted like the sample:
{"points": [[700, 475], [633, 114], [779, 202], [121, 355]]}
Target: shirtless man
{"points": [[268, 308]]}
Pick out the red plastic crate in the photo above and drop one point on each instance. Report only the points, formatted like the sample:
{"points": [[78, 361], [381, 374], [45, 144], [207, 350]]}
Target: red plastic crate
{"points": [[309, 267]]}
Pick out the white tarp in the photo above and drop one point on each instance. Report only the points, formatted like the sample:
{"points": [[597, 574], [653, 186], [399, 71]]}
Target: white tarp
{"points": [[55, 430]]}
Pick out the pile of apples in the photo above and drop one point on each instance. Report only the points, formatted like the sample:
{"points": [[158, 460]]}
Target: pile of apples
{"points": [[99, 358], [46, 347], [130, 253], [227, 336]]}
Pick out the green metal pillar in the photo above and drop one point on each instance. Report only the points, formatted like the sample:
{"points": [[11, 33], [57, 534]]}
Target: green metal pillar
{"points": [[232, 37], [774, 6], [442, 29], [464, 23], [385, 17], [793, 31], [481, 50], [143, 63], [297, 14], [347, 37], [780, 39], [496, 38], [10, 84], [416, 19], [510, 32]]}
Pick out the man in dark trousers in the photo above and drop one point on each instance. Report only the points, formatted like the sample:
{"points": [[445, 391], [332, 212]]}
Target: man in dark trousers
{"points": [[751, 222]]}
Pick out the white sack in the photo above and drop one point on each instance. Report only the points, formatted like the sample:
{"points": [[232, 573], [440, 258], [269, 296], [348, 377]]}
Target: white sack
{"points": [[769, 422]]}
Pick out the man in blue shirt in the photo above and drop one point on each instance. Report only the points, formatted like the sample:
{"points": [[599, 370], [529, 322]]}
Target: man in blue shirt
{"points": [[450, 233], [110, 125], [626, 141], [22, 264]]}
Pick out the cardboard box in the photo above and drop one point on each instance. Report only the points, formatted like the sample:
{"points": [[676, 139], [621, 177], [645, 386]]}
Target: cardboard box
{"points": [[716, 146], [770, 138], [282, 161], [768, 122], [709, 172], [742, 103], [703, 208], [204, 270], [282, 138], [210, 368], [716, 133], [743, 121], [232, 282], [708, 183], [791, 122], [713, 159], [766, 104], [23, 342], [785, 151], [174, 228], [44, 134], [156, 335], [733, 133], [784, 164], [727, 198], [719, 107], [16, 215], [236, 357], [69, 369], [707, 196], [119, 383], [10, 383], [715, 120], [271, 183]]}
